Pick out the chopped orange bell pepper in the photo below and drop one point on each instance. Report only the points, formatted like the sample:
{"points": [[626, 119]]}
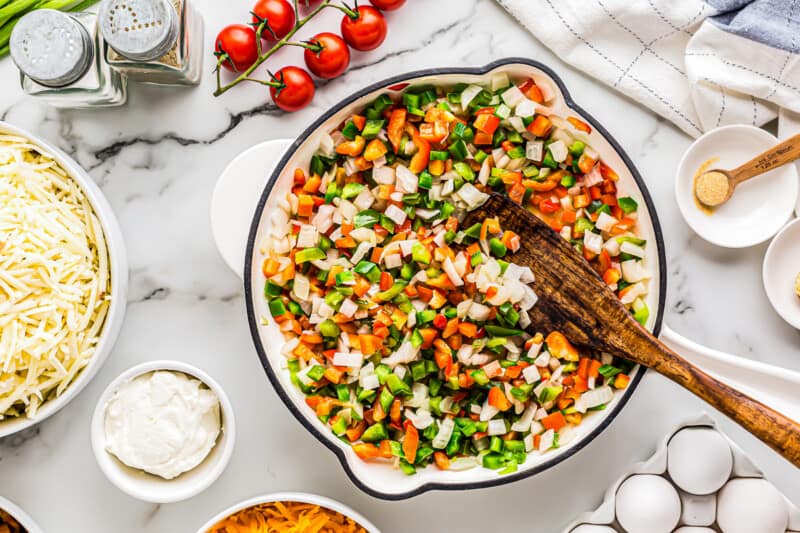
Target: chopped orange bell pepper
{"points": [[498, 399], [352, 148], [560, 347], [375, 150], [396, 127], [540, 126], [579, 125], [410, 442], [554, 421], [305, 205]]}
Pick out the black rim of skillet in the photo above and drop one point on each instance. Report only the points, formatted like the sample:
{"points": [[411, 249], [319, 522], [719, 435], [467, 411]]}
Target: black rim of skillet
{"points": [[255, 323]]}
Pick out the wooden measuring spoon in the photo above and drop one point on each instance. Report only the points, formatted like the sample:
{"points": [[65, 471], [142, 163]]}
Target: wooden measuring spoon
{"points": [[715, 187], [574, 299]]}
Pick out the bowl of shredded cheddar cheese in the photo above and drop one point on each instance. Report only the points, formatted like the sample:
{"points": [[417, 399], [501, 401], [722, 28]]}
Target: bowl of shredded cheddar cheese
{"points": [[289, 512], [63, 279]]}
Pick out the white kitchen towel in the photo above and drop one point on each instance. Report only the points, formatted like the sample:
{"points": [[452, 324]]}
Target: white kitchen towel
{"points": [[700, 64]]}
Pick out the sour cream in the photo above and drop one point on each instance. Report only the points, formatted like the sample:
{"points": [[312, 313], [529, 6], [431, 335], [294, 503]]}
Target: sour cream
{"points": [[163, 422]]}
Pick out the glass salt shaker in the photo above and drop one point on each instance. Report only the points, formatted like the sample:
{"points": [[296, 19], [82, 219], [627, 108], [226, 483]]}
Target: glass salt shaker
{"points": [[58, 55], [153, 41]]}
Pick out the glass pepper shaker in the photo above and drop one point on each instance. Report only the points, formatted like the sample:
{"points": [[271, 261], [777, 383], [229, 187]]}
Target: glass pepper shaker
{"points": [[153, 41], [59, 60]]}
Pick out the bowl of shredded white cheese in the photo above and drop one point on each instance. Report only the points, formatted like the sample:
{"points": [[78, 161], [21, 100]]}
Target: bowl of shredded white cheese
{"points": [[63, 279]]}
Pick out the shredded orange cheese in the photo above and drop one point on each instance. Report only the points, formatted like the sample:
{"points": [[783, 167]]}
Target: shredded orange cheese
{"points": [[287, 517]]}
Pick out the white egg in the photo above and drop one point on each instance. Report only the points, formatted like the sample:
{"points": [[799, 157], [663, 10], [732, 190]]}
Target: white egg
{"points": [[592, 528], [647, 503], [745, 505], [693, 529], [699, 460]]}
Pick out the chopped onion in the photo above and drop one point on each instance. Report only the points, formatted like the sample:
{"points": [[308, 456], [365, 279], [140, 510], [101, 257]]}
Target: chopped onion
{"points": [[451, 272], [632, 249], [348, 308], [488, 411], [525, 108], [468, 94], [534, 150], [326, 146], [497, 426], [547, 439], [369, 382], [531, 374], [350, 360], [517, 124], [524, 422], [397, 215], [421, 419], [364, 200], [512, 96], [605, 221], [593, 177], [558, 150], [593, 242], [419, 396], [478, 312], [383, 175], [594, 398], [407, 181], [633, 270], [498, 81], [445, 432], [471, 196]]}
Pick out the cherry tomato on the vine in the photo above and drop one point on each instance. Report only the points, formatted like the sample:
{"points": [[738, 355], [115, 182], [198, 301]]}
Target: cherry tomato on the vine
{"points": [[387, 5], [333, 57], [295, 90], [236, 47], [280, 17], [365, 32]]}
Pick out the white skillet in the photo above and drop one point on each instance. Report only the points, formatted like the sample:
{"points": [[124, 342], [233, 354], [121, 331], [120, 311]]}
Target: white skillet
{"points": [[241, 183], [234, 196]]}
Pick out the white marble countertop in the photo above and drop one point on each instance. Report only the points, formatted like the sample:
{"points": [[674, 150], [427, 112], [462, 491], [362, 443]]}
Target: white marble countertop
{"points": [[157, 161]]}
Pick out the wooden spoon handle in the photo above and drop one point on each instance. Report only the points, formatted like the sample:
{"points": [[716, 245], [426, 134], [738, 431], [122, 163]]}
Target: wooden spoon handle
{"points": [[778, 155], [779, 432]]}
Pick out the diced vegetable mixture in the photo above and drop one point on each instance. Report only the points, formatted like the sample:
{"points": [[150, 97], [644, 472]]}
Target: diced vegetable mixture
{"points": [[410, 334]]}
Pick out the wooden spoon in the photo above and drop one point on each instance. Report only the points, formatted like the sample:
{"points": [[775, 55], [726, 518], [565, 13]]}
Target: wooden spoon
{"points": [[715, 187], [574, 300]]}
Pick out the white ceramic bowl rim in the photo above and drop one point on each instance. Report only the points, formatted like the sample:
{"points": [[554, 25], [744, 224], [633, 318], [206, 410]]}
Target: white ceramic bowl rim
{"points": [[302, 497], [772, 263], [117, 473], [19, 515], [255, 322], [118, 265]]}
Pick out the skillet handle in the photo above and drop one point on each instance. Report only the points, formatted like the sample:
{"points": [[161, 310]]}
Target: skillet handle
{"points": [[773, 386], [236, 196]]}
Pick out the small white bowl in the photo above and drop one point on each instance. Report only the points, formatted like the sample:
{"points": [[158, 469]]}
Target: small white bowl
{"points": [[781, 267], [19, 515], [302, 497], [148, 487], [760, 206]]}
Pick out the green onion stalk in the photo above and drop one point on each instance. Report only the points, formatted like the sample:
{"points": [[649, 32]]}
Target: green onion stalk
{"points": [[13, 10]]}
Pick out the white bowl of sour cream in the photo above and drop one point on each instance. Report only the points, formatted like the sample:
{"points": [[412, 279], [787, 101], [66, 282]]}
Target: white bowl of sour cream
{"points": [[163, 431]]}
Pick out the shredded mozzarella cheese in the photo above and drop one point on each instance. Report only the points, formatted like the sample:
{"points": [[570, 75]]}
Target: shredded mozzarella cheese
{"points": [[54, 279]]}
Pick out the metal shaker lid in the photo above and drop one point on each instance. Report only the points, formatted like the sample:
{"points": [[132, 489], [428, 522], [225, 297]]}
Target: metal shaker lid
{"points": [[51, 47], [141, 30]]}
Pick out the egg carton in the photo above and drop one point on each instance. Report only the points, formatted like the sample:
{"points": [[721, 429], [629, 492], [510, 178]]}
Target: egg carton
{"points": [[698, 512]]}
